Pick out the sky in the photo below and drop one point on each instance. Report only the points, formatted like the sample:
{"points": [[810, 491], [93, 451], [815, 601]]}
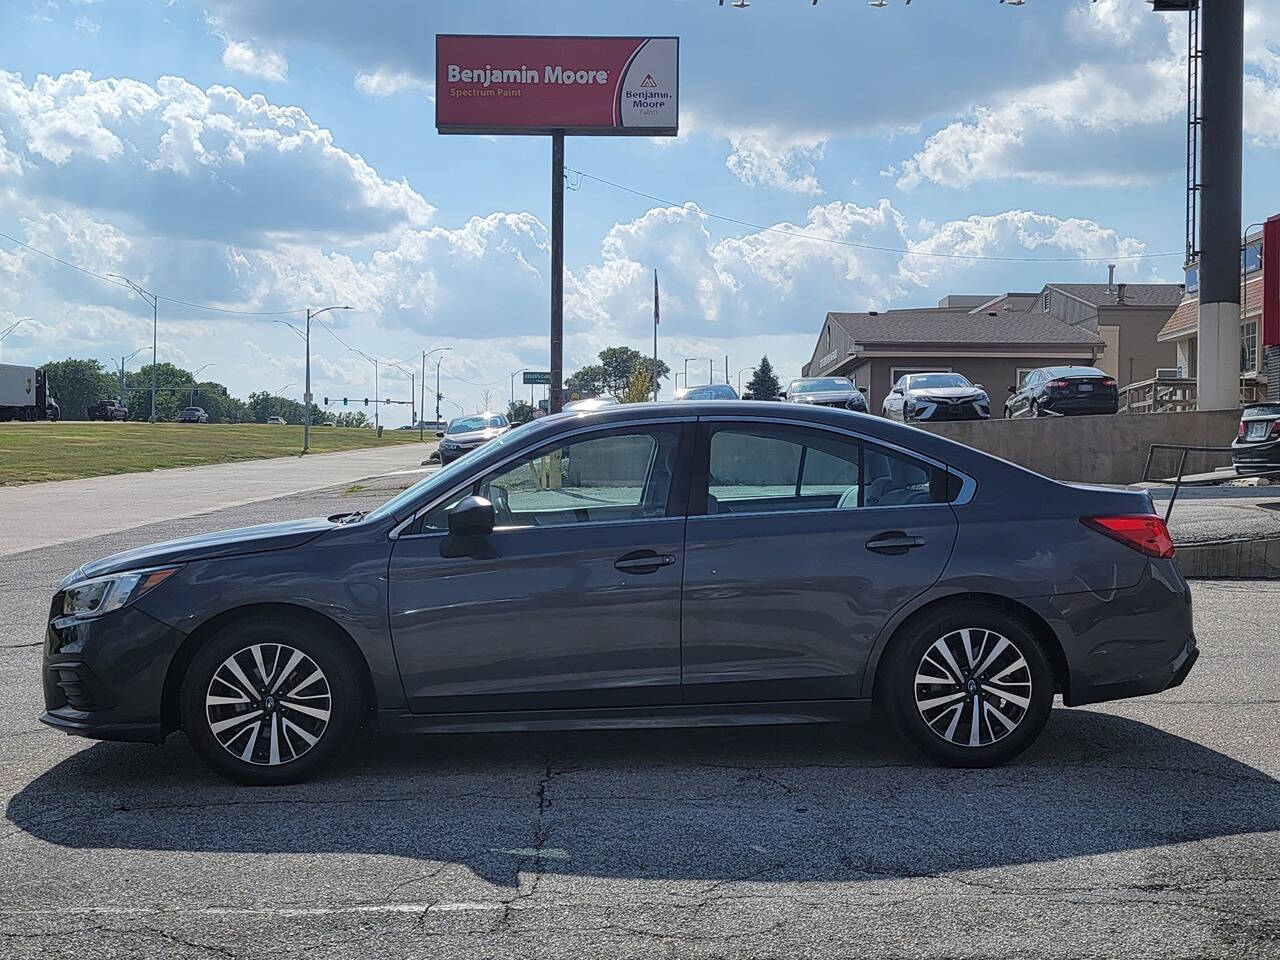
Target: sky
{"points": [[263, 158]]}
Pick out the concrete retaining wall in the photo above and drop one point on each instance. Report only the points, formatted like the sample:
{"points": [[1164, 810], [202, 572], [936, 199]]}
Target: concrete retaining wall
{"points": [[1100, 449]]}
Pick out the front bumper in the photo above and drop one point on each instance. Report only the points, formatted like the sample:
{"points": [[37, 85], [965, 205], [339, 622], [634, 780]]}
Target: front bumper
{"points": [[105, 678], [928, 411]]}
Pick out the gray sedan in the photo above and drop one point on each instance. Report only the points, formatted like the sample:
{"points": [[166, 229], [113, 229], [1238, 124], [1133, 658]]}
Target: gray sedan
{"points": [[465, 434], [645, 565]]}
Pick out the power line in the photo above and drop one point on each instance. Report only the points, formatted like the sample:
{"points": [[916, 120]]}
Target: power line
{"points": [[158, 296], [867, 246]]}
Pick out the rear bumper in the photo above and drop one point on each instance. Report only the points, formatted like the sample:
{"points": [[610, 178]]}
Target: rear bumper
{"points": [[1154, 680], [1261, 457], [1078, 407]]}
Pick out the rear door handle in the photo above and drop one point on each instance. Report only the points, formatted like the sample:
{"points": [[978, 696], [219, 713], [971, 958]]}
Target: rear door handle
{"points": [[894, 542], [643, 561]]}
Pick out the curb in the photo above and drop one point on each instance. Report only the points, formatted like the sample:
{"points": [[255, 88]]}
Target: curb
{"points": [[1253, 559]]}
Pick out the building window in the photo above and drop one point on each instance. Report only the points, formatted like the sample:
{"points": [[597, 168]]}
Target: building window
{"points": [[1249, 346]]}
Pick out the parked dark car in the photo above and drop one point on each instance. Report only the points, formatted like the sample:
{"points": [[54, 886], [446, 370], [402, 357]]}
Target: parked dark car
{"points": [[465, 434], [934, 397], [1065, 392], [827, 392], [707, 391], [193, 415], [648, 564], [1256, 448], [108, 410]]}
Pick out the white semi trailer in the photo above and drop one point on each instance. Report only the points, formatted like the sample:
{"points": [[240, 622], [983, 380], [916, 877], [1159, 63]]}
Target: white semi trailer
{"points": [[25, 394]]}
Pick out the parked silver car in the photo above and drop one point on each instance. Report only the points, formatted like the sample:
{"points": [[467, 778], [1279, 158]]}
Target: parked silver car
{"points": [[936, 396], [464, 434]]}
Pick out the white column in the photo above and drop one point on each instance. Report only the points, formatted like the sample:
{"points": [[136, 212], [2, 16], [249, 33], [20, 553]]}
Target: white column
{"points": [[1218, 357]]}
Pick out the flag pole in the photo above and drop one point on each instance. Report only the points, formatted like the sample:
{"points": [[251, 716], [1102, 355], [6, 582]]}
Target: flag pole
{"points": [[655, 335]]}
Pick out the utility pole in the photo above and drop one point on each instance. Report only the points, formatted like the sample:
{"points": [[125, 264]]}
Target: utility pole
{"points": [[422, 400], [438, 359], [123, 361], [555, 397], [1222, 99]]}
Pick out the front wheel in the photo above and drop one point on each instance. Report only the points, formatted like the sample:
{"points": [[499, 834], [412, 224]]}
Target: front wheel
{"points": [[968, 685], [267, 702]]}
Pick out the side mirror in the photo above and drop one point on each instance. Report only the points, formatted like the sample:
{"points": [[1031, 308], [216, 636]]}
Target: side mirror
{"points": [[1013, 389], [896, 391], [439, 434], [472, 516], [980, 386]]}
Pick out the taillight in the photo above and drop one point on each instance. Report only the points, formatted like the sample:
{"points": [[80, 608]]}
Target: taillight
{"points": [[1058, 384], [1143, 532], [1240, 432], [1108, 382], [1275, 429]]}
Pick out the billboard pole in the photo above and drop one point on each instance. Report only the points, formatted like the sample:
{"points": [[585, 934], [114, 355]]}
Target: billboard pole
{"points": [[557, 271]]}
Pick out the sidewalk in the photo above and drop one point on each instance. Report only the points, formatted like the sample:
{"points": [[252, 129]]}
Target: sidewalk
{"points": [[44, 514]]}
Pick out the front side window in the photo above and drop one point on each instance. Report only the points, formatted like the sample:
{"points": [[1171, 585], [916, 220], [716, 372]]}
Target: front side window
{"points": [[601, 477]]}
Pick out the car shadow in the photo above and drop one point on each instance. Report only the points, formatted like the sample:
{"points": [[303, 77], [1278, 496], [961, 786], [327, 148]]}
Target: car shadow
{"points": [[771, 803]]}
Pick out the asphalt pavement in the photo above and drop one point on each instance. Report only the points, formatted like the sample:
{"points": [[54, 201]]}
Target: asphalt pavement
{"points": [[1146, 828]]}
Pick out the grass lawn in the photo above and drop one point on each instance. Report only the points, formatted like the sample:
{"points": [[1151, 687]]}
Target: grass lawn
{"points": [[33, 452]]}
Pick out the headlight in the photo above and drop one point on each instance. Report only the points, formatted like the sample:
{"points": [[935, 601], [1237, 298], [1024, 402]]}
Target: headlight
{"points": [[93, 598]]}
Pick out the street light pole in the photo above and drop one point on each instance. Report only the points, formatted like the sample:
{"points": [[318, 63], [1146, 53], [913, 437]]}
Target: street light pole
{"points": [[12, 327], [195, 387], [423, 398], [513, 383], [154, 300], [306, 390], [747, 367], [123, 361]]}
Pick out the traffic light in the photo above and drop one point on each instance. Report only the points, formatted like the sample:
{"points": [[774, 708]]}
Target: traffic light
{"points": [[326, 401], [366, 401], [344, 401]]}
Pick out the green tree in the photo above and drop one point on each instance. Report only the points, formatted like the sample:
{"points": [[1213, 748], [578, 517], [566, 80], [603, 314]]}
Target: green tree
{"points": [[589, 381], [352, 418], [521, 411], [621, 363], [172, 385], [640, 389], [76, 384], [763, 384]]}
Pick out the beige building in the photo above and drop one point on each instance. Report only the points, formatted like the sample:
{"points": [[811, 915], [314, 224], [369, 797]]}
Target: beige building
{"points": [[994, 341]]}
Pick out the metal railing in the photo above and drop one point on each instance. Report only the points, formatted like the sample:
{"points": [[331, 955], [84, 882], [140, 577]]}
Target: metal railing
{"points": [[1184, 449]]}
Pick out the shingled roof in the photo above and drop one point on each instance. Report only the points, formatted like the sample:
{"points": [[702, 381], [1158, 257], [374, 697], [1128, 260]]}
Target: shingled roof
{"points": [[961, 327], [1185, 319], [1135, 294]]}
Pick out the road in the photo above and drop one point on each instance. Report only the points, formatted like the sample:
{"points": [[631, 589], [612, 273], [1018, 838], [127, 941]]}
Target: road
{"points": [[36, 515], [1148, 828]]}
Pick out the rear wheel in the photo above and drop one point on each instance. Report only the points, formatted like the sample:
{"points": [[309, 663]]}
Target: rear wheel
{"points": [[968, 685], [266, 702]]}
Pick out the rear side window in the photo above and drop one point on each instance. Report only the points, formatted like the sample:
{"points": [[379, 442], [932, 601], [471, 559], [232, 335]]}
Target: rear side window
{"points": [[768, 468]]}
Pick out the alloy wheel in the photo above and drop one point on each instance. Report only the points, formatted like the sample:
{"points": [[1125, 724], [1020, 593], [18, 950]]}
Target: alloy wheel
{"points": [[973, 687], [268, 704]]}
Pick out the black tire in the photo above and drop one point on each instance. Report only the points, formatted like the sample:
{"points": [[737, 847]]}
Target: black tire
{"points": [[902, 697], [1035, 409], [340, 671]]}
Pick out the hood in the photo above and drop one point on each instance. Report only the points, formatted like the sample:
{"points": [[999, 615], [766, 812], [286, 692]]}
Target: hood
{"points": [[474, 436], [828, 396], [951, 393], [224, 543]]}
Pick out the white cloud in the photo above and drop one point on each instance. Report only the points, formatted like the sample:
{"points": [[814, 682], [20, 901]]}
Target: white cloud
{"points": [[185, 161], [244, 57], [768, 160], [384, 83]]}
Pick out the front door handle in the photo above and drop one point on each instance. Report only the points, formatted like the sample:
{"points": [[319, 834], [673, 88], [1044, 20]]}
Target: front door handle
{"points": [[643, 561], [894, 542]]}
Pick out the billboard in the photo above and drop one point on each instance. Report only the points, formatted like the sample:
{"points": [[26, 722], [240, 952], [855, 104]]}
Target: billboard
{"points": [[594, 86]]}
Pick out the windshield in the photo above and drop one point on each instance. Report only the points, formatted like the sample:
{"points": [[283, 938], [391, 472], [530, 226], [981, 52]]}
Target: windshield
{"points": [[934, 381], [714, 391], [826, 383], [447, 475], [471, 424]]}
